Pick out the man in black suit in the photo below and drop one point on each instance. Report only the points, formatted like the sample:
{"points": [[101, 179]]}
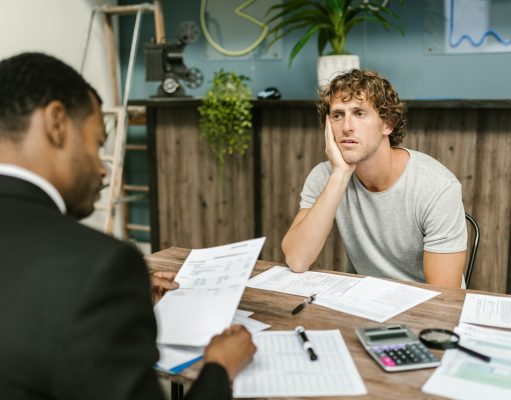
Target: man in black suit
{"points": [[77, 319]]}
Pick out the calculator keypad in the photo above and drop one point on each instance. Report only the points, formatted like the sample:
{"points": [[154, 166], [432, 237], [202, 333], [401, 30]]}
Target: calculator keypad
{"points": [[403, 354]]}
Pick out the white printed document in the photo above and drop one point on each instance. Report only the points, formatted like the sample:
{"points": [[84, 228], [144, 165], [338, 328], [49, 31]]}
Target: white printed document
{"points": [[462, 376], [282, 368], [211, 283], [377, 299], [487, 310], [282, 279], [371, 298], [174, 359], [252, 325]]}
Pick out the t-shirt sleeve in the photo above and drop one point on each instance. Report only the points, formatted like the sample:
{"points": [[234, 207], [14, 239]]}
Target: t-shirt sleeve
{"points": [[445, 229], [314, 185]]}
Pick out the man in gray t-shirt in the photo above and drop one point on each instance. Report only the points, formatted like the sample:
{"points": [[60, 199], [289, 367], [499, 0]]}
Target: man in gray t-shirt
{"points": [[399, 212]]}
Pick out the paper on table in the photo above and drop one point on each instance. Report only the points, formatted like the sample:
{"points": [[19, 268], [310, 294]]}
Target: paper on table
{"points": [[174, 359], [473, 332], [282, 279], [243, 313], [281, 367], [462, 376], [487, 310], [211, 282], [251, 324], [377, 299]]}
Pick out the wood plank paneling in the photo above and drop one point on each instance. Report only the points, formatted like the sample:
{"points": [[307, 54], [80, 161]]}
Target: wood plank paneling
{"points": [[492, 199], [197, 209]]}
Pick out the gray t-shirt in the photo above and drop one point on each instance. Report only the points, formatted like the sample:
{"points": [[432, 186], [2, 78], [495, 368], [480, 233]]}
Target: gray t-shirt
{"points": [[385, 233]]}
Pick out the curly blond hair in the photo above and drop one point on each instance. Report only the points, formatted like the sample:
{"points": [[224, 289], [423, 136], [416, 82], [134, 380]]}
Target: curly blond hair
{"points": [[370, 86]]}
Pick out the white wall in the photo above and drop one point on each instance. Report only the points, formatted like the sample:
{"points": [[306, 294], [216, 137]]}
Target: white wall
{"points": [[59, 28]]}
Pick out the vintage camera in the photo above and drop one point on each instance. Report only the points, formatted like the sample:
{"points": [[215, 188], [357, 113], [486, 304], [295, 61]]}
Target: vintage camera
{"points": [[164, 63]]}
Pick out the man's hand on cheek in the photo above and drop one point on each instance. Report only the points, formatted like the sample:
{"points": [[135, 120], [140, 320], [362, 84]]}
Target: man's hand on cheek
{"points": [[333, 152]]}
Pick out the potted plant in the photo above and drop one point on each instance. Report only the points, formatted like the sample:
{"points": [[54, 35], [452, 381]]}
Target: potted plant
{"points": [[331, 21], [225, 117]]}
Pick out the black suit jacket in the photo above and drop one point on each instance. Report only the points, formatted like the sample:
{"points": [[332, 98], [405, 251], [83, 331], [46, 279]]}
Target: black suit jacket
{"points": [[75, 309]]}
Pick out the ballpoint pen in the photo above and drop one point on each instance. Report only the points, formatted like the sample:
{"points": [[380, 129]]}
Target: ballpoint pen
{"points": [[305, 342], [301, 306]]}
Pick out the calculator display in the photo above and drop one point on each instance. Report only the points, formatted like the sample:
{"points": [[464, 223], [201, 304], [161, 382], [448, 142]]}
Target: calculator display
{"points": [[390, 335], [396, 348]]}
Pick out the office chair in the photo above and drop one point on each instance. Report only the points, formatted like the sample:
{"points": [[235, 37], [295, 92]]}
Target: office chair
{"points": [[473, 249]]}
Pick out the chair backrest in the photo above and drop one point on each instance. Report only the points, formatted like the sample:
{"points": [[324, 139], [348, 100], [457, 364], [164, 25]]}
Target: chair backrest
{"points": [[473, 248]]}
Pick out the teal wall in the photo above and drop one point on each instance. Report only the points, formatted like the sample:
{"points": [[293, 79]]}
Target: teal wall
{"points": [[401, 59]]}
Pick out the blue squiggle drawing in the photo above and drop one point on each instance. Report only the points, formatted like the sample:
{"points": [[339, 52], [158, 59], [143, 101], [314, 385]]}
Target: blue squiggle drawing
{"points": [[489, 32]]}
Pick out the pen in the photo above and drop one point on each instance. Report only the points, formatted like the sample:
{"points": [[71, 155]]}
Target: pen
{"points": [[305, 342], [301, 306]]}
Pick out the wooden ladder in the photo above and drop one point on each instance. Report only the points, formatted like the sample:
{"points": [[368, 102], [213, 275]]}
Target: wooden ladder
{"points": [[113, 157]]}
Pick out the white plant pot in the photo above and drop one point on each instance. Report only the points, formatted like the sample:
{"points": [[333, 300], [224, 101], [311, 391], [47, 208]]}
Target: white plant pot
{"points": [[331, 66]]}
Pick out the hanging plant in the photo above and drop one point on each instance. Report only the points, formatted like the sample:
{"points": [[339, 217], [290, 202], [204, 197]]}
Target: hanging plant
{"points": [[225, 117]]}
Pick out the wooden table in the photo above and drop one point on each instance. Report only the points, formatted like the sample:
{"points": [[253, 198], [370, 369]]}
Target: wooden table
{"points": [[443, 311]]}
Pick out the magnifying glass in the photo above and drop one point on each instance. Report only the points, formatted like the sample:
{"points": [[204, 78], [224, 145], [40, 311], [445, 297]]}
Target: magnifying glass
{"points": [[444, 339]]}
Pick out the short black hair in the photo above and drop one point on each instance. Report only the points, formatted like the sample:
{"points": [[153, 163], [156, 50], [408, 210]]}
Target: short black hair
{"points": [[29, 81]]}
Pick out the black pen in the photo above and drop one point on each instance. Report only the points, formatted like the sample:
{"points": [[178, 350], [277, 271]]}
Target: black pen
{"points": [[305, 342], [301, 306]]}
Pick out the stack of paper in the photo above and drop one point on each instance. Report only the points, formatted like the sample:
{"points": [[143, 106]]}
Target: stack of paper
{"points": [[377, 299], [211, 282], [282, 368], [371, 298], [242, 317], [462, 376], [282, 279], [174, 359], [487, 310]]}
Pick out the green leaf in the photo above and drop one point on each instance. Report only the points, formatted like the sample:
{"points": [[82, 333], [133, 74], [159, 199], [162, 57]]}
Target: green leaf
{"points": [[302, 42], [336, 6], [322, 41]]}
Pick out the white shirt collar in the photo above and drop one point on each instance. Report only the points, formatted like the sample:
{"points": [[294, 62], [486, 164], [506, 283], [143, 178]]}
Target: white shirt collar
{"points": [[22, 173]]}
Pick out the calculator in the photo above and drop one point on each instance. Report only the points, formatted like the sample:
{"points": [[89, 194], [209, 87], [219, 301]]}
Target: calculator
{"points": [[396, 348]]}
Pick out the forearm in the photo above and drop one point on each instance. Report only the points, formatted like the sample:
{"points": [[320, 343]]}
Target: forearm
{"points": [[306, 237]]}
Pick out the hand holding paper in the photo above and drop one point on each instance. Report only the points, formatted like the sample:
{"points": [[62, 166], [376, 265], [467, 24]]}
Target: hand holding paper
{"points": [[233, 349], [211, 284]]}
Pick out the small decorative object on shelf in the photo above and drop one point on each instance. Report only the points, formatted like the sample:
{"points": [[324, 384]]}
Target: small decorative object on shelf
{"points": [[269, 93]]}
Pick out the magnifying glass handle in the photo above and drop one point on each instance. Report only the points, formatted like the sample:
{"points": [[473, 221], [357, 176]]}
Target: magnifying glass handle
{"points": [[474, 353]]}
